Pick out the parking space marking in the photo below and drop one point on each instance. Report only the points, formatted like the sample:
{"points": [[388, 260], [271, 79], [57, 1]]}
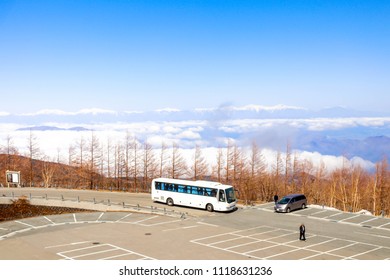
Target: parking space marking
{"points": [[160, 223], [335, 216], [25, 224], [50, 221], [375, 218], [384, 225], [98, 252], [63, 245], [147, 219], [101, 215], [180, 228], [124, 217], [366, 252], [264, 244], [352, 217], [375, 235], [207, 224]]}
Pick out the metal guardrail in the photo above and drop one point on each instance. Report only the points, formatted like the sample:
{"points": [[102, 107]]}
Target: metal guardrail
{"points": [[106, 202]]}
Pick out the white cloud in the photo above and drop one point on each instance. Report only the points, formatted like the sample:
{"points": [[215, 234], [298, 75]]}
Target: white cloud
{"points": [[258, 108], [167, 110], [93, 111], [188, 134]]}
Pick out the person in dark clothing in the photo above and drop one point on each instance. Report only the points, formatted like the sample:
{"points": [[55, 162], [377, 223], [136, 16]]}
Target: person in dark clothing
{"points": [[302, 231], [276, 198]]}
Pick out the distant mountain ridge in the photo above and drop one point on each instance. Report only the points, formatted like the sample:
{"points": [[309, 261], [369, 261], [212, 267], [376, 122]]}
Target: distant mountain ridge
{"points": [[173, 114]]}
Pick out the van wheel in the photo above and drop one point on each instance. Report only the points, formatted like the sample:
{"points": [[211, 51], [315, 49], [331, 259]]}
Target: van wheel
{"points": [[288, 210], [209, 207], [170, 201], [303, 206]]}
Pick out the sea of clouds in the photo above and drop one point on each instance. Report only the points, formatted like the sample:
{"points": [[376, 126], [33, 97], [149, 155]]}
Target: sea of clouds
{"points": [[332, 137]]}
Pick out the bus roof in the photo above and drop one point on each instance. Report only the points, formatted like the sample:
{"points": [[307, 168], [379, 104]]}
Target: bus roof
{"points": [[198, 183]]}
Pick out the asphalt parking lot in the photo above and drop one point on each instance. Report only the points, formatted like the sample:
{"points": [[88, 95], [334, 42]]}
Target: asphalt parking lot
{"points": [[248, 233]]}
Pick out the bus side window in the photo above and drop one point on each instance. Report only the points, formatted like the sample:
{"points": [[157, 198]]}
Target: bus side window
{"points": [[213, 192], [157, 185]]}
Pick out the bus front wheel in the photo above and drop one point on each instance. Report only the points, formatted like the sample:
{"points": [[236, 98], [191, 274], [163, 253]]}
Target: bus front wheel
{"points": [[170, 201], [209, 207]]}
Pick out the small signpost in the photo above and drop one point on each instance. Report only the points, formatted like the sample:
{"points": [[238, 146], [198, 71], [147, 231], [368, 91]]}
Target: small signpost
{"points": [[13, 178]]}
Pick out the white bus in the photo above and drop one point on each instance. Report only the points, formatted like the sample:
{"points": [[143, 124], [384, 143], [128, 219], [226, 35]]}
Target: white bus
{"points": [[200, 194]]}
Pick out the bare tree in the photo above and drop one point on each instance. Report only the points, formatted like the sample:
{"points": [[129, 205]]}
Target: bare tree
{"points": [[120, 165], [163, 159], [135, 162], [48, 171], [33, 153], [149, 164], [11, 151], [257, 172], [199, 167], [219, 165], [177, 166], [94, 159], [381, 190], [277, 174], [229, 161]]}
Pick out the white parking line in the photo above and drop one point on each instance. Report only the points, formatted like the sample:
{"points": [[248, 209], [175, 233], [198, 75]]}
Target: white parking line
{"points": [[375, 218], [206, 224], [94, 253], [68, 244], [161, 223], [83, 248], [376, 235], [333, 215], [319, 212], [272, 243], [26, 224], [180, 228], [369, 251], [49, 220], [101, 215], [147, 219], [124, 217], [347, 219], [384, 225], [117, 256], [65, 254], [346, 246]]}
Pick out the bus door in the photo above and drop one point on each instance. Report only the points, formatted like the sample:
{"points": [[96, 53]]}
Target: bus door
{"points": [[221, 196]]}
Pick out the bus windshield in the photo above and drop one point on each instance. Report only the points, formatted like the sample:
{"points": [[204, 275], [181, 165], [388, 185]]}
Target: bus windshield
{"points": [[231, 197]]}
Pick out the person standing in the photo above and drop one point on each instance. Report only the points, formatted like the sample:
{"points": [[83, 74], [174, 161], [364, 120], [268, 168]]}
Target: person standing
{"points": [[276, 198], [302, 231]]}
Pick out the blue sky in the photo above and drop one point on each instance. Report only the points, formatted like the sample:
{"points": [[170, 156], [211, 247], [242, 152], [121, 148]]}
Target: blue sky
{"points": [[146, 55]]}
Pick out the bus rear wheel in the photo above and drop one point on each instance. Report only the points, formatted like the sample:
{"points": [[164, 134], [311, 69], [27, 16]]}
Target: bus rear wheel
{"points": [[170, 201], [209, 207]]}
